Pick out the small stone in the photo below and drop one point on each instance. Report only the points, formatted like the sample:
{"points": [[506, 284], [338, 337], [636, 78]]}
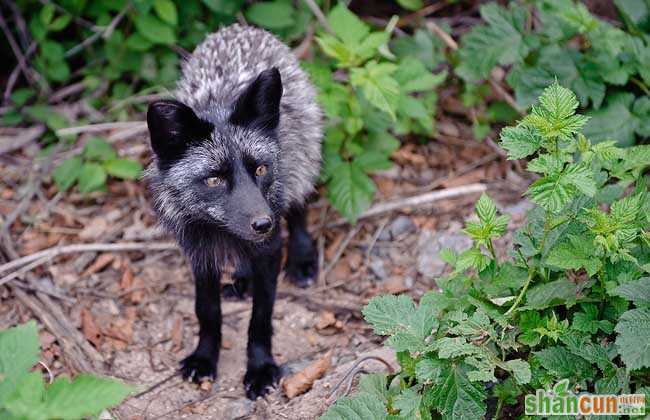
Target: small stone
{"points": [[430, 244], [401, 226], [378, 269], [239, 409]]}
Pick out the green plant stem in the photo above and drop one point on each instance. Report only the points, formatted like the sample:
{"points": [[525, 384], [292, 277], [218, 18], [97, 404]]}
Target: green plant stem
{"points": [[490, 247], [498, 412], [641, 85], [521, 294]]}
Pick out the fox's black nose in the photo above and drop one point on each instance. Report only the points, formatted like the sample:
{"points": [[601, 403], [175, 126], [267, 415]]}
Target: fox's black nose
{"points": [[262, 224]]}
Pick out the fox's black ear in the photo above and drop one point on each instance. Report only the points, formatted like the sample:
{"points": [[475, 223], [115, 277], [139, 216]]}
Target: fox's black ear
{"points": [[172, 126], [259, 105]]}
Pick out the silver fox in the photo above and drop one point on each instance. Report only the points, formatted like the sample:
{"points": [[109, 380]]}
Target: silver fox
{"points": [[235, 151]]}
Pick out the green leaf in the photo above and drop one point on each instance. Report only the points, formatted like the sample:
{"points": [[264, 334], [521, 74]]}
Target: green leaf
{"points": [[408, 403], [123, 168], [617, 120], [375, 384], [346, 25], [520, 141], [166, 10], [25, 400], [92, 177], [85, 396], [563, 364], [498, 42], [374, 80], [360, 407], [20, 96], [486, 210], [155, 31], [413, 76], [271, 14], [19, 351], [454, 396], [574, 253], [588, 320], [67, 173], [558, 292], [633, 340], [520, 369], [99, 149], [410, 4], [350, 190], [387, 314], [636, 291]]}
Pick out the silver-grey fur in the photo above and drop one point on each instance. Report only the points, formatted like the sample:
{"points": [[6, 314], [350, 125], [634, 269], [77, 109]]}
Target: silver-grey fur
{"points": [[218, 71]]}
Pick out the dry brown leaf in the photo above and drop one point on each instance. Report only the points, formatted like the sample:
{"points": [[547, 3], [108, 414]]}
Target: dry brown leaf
{"points": [[302, 381], [340, 271], [395, 285], [89, 328], [476, 175], [100, 263], [331, 249], [122, 328], [326, 319]]}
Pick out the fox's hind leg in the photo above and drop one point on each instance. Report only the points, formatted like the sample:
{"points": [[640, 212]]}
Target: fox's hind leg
{"points": [[302, 260], [261, 371], [240, 286]]}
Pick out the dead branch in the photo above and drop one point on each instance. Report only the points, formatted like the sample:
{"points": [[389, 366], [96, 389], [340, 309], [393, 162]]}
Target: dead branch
{"points": [[96, 128], [49, 253], [415, 201]]}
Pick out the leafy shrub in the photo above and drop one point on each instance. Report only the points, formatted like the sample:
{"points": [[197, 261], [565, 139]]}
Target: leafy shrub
{"points": [[90, 169], [369, 95], [23, 394], [572, 300], [605, 66]]}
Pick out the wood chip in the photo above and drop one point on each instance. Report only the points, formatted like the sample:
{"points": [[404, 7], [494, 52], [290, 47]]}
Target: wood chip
{"points": [[302, 381], [100, 263], [326, 319], [177, 335]]}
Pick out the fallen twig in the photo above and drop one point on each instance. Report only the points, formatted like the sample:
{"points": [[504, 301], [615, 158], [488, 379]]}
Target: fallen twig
{"points": [[26, 136], [95, 128], [415, 201], [50, 253], [322, 20], [339, 252], [354, 369]]}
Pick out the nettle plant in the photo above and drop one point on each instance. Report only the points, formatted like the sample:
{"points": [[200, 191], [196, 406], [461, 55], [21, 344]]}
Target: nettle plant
{"points": [[538, 41], [24, 394], [371, 91], [571, 301]]}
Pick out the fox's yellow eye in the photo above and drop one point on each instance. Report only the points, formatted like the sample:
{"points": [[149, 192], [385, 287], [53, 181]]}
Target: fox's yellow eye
{"points": [[261, 170], [213, 181]]}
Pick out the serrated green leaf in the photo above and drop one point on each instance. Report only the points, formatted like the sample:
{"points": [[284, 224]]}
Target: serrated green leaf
{"points": [[520, 141], [92, 177], [410, 4], [633, 339], [413, 76], [346, 25], [573, 253], [563, 364], [67, 173], [558, 292], [452, 347], [520, 369], [19, 351], [636, 291], [615, 120], [498, 42], [454, 396], [350, 190], [123, 168], [360, 407], [408, 403], [486, 210], [388, 314], [375, 384], [589, 322], [378, 86]]}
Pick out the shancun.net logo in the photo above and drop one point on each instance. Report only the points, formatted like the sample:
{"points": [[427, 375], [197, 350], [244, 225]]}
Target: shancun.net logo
{"points": [[560, 401]]}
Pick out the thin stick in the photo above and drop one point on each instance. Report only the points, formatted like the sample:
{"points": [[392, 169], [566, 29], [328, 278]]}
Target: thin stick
{"points": [[94, 247], [415, 201], [340, 251], [23, 270], [319, 15], [95, 128], [106, 33], [22, 63], [13, 77], [451, 43]]}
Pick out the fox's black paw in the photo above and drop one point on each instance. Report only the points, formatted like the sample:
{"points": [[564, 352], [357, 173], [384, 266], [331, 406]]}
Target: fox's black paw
{"points": [[302, 270], [197, 368], [259, 381]]}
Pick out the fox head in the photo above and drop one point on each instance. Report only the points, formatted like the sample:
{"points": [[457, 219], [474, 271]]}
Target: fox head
{"points": [[221, 168]]}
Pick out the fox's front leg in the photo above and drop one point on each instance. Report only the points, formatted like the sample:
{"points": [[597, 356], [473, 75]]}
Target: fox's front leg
{"points": [[261, 370], [302, 256], [202, 363]]}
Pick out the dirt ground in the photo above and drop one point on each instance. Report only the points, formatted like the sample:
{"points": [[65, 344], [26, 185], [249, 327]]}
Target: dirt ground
{"points": [[129, 314]]}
